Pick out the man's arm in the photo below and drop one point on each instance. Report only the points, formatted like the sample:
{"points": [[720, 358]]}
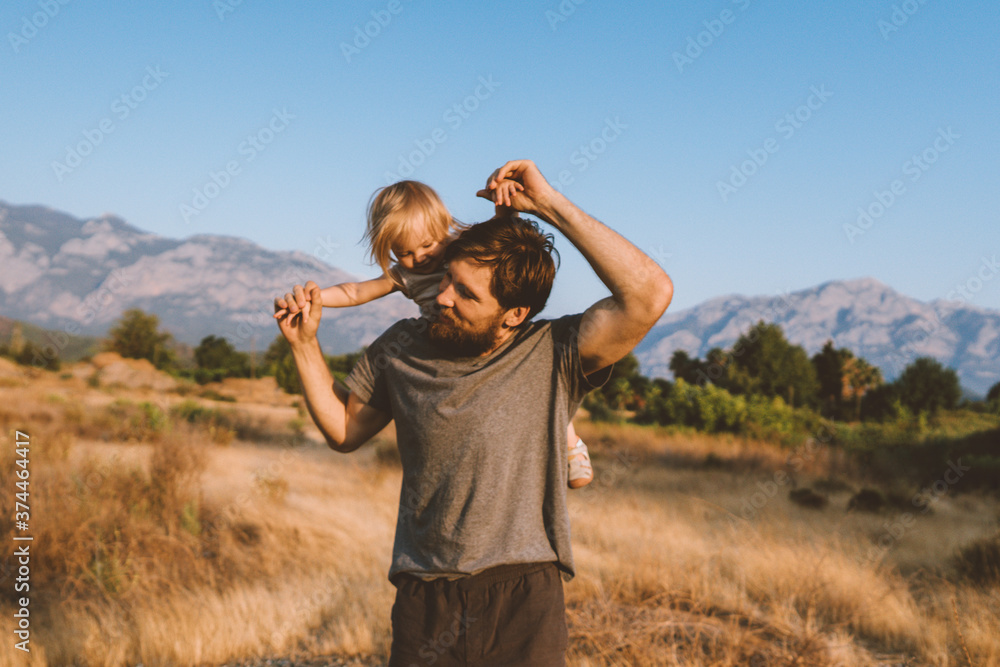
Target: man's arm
{"points": [[345, 422], [640, 289]]}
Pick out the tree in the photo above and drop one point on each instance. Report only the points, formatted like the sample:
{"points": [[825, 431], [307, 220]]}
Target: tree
{"points": [[626, 385], [927, 386], [340, 365], [881, 403], [765, 363], [859, 377], [279, 362], [829, 364], [137, 336], [34, 355], [993, 395], [716, 369], [685, 368], [217, 358]]}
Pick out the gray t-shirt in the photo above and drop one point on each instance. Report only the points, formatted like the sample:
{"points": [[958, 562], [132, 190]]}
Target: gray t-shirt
{"points": [[482, 442]]}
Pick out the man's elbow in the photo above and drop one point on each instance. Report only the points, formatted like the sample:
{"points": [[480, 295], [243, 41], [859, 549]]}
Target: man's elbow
{"points": [[342, 447], [656, 295], [664, 295]]}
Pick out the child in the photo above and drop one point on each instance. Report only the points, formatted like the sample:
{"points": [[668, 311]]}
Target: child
{"points": [[409, 222]]}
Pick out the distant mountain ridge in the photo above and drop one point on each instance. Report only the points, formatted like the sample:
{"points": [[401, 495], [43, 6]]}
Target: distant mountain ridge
{"points": [[871, 319], [78, 276]]}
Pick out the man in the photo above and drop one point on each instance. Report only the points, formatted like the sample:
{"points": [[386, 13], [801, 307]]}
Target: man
{"points": [[482, 397]]}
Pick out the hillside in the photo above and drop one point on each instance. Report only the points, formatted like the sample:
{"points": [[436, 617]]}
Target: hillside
{"points": [[78, 276]]}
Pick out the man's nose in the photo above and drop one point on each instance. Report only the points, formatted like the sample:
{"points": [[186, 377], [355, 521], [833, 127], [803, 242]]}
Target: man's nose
{"points": [[445, 297]]}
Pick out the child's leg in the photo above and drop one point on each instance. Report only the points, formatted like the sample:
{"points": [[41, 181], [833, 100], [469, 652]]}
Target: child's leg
{"points": [[581, 473]]}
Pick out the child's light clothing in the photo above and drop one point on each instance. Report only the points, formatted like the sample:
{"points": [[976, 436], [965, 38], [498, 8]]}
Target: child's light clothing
{"points": [[421, 288]]}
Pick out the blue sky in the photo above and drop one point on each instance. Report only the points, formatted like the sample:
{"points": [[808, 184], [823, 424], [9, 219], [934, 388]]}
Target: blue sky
{"points": [[734, 141]]}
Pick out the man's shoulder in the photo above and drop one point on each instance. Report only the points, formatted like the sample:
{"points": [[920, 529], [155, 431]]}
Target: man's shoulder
{"points": [[565, 327], [412, 327]]}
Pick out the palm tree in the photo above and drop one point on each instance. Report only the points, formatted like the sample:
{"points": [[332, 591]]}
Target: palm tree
{"points": [[859, 378]]}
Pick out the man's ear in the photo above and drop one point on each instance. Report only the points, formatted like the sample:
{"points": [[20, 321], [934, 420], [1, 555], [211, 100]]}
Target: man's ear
{"points": [[515, 316]]}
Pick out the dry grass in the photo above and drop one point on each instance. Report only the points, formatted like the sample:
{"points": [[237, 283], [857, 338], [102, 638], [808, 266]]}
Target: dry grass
{"points": [[157, 544]]}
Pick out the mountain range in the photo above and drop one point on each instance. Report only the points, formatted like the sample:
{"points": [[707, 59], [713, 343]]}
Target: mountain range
{"points": [[78, 276], [872, 320]]}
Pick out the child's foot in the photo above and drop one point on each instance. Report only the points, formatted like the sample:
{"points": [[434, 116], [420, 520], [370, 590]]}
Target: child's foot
{"points": [[581, 472]]}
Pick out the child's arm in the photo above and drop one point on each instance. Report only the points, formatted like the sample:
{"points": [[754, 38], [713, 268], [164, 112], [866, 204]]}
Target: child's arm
{"points": [[347, 294]]}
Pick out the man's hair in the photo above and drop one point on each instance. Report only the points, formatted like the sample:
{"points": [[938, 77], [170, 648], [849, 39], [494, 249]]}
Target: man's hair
{"points": [[519, 254], [393, 211]]}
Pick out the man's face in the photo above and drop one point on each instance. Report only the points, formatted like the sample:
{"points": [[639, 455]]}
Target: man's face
{"points": [[469, 322]]}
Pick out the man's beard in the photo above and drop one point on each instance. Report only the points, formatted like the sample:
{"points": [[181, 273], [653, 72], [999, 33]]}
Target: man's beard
{"points": [[460, 342]]}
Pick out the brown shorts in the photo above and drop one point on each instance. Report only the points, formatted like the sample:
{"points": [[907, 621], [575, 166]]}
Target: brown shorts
{"points": [[506, 615]]}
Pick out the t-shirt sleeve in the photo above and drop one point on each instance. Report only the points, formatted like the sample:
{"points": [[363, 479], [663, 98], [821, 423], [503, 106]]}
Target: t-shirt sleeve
{"points": [[565, 332], [367, 380], [397, 275]]}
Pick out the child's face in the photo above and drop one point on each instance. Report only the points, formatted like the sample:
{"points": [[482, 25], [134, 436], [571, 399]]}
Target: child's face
{"points": [[419, 251]]}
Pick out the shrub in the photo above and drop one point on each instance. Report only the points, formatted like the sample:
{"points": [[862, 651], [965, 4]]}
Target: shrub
{"points": [[867, 500], [806, 497]]}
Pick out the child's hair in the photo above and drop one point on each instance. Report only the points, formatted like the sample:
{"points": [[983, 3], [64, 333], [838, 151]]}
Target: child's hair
{"points": [[393, 208]]}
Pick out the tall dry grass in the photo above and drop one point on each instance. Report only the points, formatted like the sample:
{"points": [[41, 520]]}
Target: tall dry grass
{"points": [[159, 543]]}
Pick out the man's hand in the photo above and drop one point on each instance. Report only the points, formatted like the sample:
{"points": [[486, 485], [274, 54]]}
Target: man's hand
{"points": [[534, 194], [304, 310], [640, 289]]}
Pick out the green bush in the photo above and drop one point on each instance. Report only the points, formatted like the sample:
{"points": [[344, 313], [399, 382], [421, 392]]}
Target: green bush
{"points": [[137, 336], [714, 410]]}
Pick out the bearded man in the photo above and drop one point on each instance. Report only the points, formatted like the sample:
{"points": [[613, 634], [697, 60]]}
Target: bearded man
{"points": [[482, 398]]}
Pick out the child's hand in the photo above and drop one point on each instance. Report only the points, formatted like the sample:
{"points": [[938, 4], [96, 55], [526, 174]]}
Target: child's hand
{"points": [[505, 191], [502, 195], [297, 302]]}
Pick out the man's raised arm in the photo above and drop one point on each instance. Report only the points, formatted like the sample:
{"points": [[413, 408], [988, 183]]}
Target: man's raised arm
{"points": [[345, 422], [640, 289]]}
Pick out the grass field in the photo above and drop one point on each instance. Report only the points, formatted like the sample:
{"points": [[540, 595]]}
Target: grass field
{"points": [[170, 529]]}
